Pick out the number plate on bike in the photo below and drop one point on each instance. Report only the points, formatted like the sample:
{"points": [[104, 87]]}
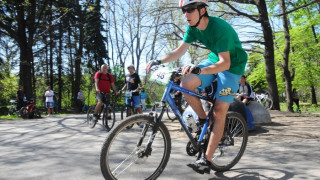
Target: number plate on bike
{"points": [[128, 93], [161, 75]]}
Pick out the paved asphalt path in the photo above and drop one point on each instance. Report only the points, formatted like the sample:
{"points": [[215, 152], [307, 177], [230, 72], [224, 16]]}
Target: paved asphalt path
{"points": [[65, 148]]}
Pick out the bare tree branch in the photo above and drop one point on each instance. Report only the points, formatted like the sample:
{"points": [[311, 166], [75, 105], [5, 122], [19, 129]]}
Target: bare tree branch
{"points": [[239, 12], [252, 41], [295, 9]]}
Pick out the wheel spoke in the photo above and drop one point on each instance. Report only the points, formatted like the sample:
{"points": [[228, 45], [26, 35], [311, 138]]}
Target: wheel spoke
{"points": [[124, 156], [114, 171], [233, 143]]}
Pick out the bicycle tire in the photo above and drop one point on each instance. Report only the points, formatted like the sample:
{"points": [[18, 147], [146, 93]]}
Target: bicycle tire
{"points": [[170, 114], [38, 112], [24, 113], [234, 140], [123, 112], [90, 119], [117, 146], [269, 103], [108, 121], [11, 110]]}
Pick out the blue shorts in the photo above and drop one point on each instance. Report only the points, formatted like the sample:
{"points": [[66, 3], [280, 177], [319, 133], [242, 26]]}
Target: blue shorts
{"points": [[49, 104], [228, 83], [136, 101]]}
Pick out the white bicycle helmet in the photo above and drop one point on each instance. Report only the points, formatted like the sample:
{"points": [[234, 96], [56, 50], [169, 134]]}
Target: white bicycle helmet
{"points": [[183, 3], [131, 65]]}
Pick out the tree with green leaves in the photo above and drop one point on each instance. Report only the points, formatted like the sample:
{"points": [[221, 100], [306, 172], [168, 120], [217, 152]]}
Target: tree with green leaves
{"points": [[19, 20]]}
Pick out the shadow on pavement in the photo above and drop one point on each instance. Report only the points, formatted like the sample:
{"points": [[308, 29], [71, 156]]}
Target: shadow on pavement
{"points": [[253, 174]]}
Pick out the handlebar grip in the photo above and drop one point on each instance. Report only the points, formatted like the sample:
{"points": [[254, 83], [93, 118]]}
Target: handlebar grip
{"points": [[196, 70]]}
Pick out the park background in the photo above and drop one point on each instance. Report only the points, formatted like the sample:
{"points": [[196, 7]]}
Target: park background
{"points": [[63, 44]]}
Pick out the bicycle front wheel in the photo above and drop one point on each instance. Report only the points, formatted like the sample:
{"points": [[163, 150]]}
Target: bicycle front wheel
{"points": [[11, 110], [24, 113], [90, 119], [232, 144], [109, 118], [123, 155]]}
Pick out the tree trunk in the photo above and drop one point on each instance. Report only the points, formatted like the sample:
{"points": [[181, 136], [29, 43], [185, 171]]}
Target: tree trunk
{"points": [[313, 95], [286, 51], [269, 53], [25, 44], [51, 47], [25, 69], [79, 53], [59, 64]]}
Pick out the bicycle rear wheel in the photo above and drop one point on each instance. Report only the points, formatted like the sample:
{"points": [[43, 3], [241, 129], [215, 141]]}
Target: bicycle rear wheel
{"points": [[232, 144], [36, 112], [123, 158], [108, 120], [90, 119], [267, 103]]}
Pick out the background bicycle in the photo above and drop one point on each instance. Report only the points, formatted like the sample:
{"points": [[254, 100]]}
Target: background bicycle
{"points": [[30, 110], [108, 115], [129, 108], [264, 100], [143, 153], [13, 108]]}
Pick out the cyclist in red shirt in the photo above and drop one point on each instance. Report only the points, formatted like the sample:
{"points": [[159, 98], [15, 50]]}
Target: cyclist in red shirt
{"points": [[103, 82]]}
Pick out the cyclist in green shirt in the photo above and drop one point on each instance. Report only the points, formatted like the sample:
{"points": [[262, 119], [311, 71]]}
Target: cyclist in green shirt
{"points": [[226, 63]]}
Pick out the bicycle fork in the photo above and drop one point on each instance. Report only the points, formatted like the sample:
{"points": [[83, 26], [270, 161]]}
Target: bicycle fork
{"points": [[155, 129]]}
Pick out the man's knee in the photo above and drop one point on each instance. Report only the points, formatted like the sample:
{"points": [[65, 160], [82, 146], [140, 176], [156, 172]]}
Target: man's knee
{"points": [[221, 109], [191, 82], [99, 103]]}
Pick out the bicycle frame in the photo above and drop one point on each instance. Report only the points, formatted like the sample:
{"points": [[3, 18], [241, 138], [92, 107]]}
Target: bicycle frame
{"points": [[167, 98]]}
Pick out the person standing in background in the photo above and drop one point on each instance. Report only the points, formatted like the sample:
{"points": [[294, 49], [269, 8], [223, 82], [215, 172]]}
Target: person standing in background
{"points": [[296, 98], [80, 99], [49, 101], [143, 96], [20, 98]]}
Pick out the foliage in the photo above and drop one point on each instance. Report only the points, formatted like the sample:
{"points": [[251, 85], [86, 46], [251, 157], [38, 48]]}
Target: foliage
{"points": [[8, 88], [135, 32]]}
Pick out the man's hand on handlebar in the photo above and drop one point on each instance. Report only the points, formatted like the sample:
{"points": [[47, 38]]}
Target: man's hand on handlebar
{"points": [[191, 69], [152, 63]]}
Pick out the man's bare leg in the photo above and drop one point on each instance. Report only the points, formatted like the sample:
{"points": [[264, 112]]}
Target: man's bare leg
{"points": [[191, 82], [219, 113], [97, 108], [139, 110]]}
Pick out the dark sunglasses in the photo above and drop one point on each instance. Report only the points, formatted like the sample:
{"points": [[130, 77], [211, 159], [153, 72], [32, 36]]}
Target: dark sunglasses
{"points": [[189, 10]]}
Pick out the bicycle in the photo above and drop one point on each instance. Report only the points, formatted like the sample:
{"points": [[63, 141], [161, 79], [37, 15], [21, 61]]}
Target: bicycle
{"points": [[30, 110], [150, 146], [13, 107], [108, 115], [264, 100], [129, 109]]}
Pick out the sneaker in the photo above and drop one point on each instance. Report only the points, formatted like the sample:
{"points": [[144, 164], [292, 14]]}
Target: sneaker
{"points": [[201, 166], [48, 115], [95, 117]]}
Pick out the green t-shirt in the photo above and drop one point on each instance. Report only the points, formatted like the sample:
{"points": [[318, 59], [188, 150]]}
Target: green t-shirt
{"points": [[218, 37]]}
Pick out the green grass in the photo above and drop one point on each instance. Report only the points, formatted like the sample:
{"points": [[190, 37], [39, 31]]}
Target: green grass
{"points": [[304, 107], [6, 117]]}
